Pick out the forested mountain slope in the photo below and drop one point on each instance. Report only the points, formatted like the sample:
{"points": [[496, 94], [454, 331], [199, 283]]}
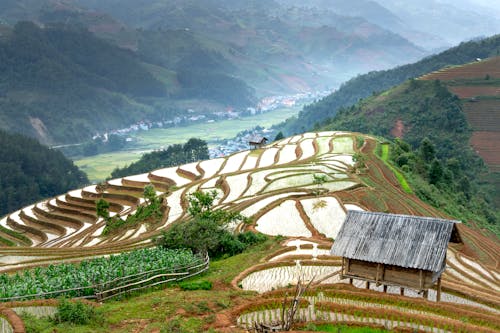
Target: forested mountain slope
{"points": [[432, 148], [30, 172], [62, 84], [376, 81]]}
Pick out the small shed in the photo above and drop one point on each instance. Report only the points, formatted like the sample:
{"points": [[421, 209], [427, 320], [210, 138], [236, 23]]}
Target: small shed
{"points": [[257, 141], [395, 250]]}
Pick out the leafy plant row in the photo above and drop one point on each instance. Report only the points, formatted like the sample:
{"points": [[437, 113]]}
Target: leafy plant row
{"points": [[89, 274]]}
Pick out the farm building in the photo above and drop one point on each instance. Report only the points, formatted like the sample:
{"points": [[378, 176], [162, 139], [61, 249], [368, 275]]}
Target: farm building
{"points": [[257, 141], [395, 250]]}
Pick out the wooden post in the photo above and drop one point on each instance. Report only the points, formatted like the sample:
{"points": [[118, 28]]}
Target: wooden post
{"points": [[342, 270], [350, 281], [377, 277], [401, 291], [426, 294], [385, 288], [438, 292], [421, 276], [367, 285]]}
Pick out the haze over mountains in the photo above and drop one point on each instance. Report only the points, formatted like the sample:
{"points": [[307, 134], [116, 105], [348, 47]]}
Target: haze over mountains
{"points": [[198, 54]]}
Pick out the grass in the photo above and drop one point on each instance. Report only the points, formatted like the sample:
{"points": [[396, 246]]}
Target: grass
{"points": [[384, 156], [100, 166], [342, 329], [172, 309]]}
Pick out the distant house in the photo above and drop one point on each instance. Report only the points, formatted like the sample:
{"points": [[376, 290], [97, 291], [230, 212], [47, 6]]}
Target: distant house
{"points": [[257, 141], [395, 250]]}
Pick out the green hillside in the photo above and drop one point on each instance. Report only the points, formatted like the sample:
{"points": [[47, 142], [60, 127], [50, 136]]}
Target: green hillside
{"points": [[377, 81], [30, 172], [62, 84], [432, 148]]}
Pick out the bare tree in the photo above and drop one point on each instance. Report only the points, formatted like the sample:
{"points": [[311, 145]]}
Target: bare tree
{"points": [[289, 310]]}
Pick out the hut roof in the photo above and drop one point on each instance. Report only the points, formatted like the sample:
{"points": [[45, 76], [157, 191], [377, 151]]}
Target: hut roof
{"points": [[401, 240], [257, 139]]}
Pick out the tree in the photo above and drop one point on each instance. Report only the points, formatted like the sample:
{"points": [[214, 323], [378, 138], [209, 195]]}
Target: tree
{"points": [[200, 203], [435, 171], [208, 231], [150, 194], [319, 179], [359, 161], [279, 136], [427, 150], [102, 209]]}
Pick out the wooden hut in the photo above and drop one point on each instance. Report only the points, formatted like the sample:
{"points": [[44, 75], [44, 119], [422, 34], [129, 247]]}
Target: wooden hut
{"points": [[257, 141], [395, 250]]}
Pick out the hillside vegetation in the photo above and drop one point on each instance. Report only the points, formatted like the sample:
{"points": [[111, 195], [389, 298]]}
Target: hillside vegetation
{"points": [[435, 155], [60, 90], [367, 84], [477, 85], [297, 191], [30, 172], [192, 151]]}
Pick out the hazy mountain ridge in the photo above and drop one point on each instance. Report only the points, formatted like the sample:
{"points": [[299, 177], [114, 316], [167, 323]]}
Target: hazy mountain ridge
{"points": [[364, 85], [62, 84], [261, 31]]}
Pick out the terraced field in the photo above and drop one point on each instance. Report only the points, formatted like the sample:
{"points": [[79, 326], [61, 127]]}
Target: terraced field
{"points": [[277, 188], [478, 85]]}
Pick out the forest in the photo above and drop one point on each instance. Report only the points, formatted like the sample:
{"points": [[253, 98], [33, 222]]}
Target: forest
{"points": [[433, 151], [62, 84], [30, 172], [193, 150], [370, 83]]}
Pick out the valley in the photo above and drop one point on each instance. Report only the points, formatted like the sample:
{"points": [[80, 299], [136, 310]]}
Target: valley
{"points": [[231, 166], [214, 133]]}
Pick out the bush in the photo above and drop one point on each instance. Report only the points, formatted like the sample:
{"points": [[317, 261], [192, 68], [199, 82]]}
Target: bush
{"points": [[207, 231], [196, 285], [77, 313], [250, 238]]}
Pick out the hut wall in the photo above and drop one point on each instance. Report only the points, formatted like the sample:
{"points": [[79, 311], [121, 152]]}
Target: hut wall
{"points": [[388, 274]]}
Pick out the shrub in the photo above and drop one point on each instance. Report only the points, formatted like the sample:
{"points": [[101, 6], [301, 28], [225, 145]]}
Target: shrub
{"points": [[77, 313], [250, 238]]}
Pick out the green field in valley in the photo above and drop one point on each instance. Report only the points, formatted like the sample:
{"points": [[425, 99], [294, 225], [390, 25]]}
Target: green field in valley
{"points": [[100, 166]]}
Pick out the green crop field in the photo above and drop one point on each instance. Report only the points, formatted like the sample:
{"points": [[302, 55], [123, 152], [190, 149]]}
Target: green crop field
{"points": [[100, 166]]}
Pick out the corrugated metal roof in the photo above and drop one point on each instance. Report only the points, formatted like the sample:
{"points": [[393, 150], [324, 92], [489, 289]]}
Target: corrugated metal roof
{"points": [[401, 240]]}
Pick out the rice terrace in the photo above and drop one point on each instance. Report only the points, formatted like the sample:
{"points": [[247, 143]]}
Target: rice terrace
{"points": [[297, 191], [477, 84]]}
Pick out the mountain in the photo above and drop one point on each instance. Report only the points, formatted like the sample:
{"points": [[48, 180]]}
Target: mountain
{"points": [[435, 154], [477, 85], [30, 172], [454, 21], [378, 14], [59, 90], [365, 85], [56, 89], [260, 34]]}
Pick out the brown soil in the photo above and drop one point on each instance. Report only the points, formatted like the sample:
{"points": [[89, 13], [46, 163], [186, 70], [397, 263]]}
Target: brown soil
{"points": [[486, 144], [472, 91], [398, 129], [470, 71]]}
